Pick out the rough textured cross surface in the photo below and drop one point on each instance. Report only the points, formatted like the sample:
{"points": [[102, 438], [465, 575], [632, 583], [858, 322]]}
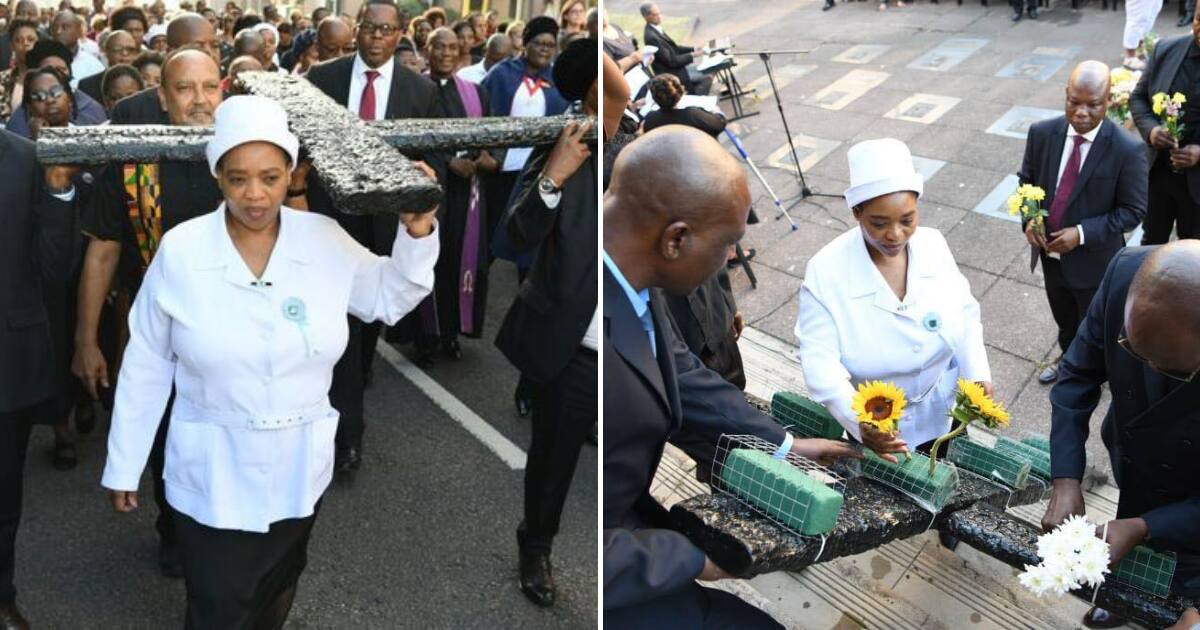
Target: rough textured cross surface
{"points": [[100, 144], [1014, 542]]}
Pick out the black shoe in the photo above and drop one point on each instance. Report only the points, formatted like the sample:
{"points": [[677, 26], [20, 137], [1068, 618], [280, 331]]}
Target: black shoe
{"points": [[1184, 20], [523, 405], [168, 560], [537, 581], [85, 418], [64, 455], [11, 619], [347, 459], [452, 349], [829, 4], [1016, 16], [1049, 374], [1033, 13], [1100, 618]]}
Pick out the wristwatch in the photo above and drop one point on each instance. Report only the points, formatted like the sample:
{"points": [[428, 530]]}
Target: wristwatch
{"points": [[546, 186]]}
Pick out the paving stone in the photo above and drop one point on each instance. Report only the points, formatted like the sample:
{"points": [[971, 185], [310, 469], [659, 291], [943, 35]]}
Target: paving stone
{"points": [[940, 217], [1031, 411], [960, 186], [1016, 320], [985, 243], [791, 253], [776, 290], [1019, 271], [981, 281], [861, 53], [922, 108], [1009, 372], [948, 54], [1015, 123]]}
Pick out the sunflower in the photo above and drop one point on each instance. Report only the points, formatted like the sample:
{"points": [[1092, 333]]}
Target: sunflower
{"points": [[978, 406], [879, 404]]}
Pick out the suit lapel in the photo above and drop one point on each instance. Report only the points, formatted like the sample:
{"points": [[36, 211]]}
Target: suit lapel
{"points": [[1170, 404], [1095, 155], [664, 330], [1170, 68], [628, 338], [1054, 158]]}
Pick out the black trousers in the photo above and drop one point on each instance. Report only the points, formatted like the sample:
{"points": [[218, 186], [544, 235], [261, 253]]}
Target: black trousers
{"points": [[1067, 305], [1027, 4], [563, 414], [1169, 205], [346, 392], [14, 443], [237, 579], [694, 607], [165, 523]]}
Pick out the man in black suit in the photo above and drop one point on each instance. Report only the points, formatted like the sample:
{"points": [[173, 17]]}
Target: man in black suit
{"points": [[1174, 177], [184, 30], [37, 211], [1094, 175], [1142, 337], [668, 222], [551, 332], [671, 57], [372, 84]]}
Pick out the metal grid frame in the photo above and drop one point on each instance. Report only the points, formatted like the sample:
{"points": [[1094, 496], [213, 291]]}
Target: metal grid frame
{"points": [[804, 416], [887, 473], [1040, 441], [777, 500], [1147, 570], [1039, 460], [988, 463]]}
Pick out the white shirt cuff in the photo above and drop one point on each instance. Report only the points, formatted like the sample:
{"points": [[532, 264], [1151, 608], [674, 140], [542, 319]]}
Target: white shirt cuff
{"points": [[1080, 228], [67, 196], [786, 447], [551, 201]]}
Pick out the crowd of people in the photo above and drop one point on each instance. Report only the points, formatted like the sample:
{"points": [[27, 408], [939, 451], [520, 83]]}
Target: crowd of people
{"points": [[119, 271], [885, 301]]}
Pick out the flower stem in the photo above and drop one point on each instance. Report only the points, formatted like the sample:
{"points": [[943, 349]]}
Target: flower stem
{"points": [[938, 442]]}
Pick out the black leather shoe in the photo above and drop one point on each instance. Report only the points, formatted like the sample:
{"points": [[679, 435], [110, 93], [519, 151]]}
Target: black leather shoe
{"points": [[1033, 13], [1184, 20], [537, 581], [168, 560], [65, 457], [11, 619], [347, 459], [1100, 618], [1049, 374], [829, 4], [1016, 17], [452, 349]]}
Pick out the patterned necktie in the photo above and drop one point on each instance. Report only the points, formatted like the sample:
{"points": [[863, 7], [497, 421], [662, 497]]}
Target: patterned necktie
{"points": [[1062, 195], [366, 107]]}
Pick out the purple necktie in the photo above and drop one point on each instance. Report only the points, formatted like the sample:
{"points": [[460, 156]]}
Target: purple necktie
{"points": [[1062, 194]]}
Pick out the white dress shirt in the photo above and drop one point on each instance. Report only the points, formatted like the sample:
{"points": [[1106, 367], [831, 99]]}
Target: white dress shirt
{"points": [[473, 73], [525, 103], [1069, 145], [252, 432], [382, 85], [83, 66], [852, 328]]}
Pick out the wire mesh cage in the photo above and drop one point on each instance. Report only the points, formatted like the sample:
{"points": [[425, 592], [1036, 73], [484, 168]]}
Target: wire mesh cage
{"points": [[804, 417], [1039, 460], [1040, 441], [793, 492], [911, 477], [989, 463], [1146, 569]]}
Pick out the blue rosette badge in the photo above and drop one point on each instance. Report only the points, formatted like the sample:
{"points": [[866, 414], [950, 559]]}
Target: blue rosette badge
{"points": [[932, 322], [295, 311]]}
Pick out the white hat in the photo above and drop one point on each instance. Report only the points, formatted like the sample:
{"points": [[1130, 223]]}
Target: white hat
{"points": [[880, 167], [158, 30], [242, 119], [267, 26]]}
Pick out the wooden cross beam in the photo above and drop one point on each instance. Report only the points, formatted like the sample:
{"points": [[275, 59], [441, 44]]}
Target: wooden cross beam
{"points": [[360, 163]]}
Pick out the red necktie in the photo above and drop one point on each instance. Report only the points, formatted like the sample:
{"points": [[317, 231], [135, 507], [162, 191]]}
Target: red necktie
{"points": [[366, 107], [1066, 185]]}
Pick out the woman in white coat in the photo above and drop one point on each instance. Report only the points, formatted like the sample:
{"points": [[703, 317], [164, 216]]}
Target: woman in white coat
{"points": [[243, 312], [885, 301]]}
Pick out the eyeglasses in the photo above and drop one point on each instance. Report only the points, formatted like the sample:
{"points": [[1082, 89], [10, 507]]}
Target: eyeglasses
{"points": [[124, 50], [386, 30], [46, 95], [1182, 377]]}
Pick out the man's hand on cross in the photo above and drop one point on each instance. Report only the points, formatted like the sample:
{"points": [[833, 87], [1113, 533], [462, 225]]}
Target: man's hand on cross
{"points": [[569, 153]]}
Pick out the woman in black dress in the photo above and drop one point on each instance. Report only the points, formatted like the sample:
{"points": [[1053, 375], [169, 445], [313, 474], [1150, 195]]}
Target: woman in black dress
{"points": [[666, 90]]}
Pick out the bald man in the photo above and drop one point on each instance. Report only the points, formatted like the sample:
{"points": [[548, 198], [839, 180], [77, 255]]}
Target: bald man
{"points": [[1095, 177], [186, 30], [125, 225], [334, 39], [676, 202], [1141, 336]]}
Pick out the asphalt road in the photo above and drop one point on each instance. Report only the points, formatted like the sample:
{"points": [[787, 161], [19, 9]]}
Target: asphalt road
{"points": [[424, 535]]}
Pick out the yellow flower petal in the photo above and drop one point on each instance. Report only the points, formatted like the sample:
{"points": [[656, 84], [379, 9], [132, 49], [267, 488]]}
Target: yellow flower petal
{"points": [[879, 404]]}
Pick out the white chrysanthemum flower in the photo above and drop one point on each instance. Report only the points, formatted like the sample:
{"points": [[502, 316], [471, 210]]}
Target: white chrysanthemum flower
{"points": [[1063, 582], [1034, 579]]}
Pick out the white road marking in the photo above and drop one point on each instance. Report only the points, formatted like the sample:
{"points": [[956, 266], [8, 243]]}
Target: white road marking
{"points": [[462, 414]]}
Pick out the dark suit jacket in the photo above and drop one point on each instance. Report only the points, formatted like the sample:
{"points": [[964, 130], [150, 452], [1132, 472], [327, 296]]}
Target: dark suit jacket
{"points": [[142, 108], [670, 57], [1109, 198], [694, 117], [91, 86], [1161, 68], [557, 300], [648, 400], [1152, 432], [410, 96], [35, 252]]}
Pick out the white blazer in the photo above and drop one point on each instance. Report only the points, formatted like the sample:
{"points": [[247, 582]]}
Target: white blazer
{"points": [[852, 328], [251, 360]]}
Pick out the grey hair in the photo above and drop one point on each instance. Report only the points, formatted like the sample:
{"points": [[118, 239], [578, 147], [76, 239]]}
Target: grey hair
{"points": [[645, 8]]}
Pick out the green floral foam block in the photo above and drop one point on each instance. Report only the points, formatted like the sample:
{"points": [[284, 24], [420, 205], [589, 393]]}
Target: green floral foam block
{"points": [[1147, 569], [804, 417], [1003, 467], [781, 490], [1040, 442], [911, 476], [1038, 459]]}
